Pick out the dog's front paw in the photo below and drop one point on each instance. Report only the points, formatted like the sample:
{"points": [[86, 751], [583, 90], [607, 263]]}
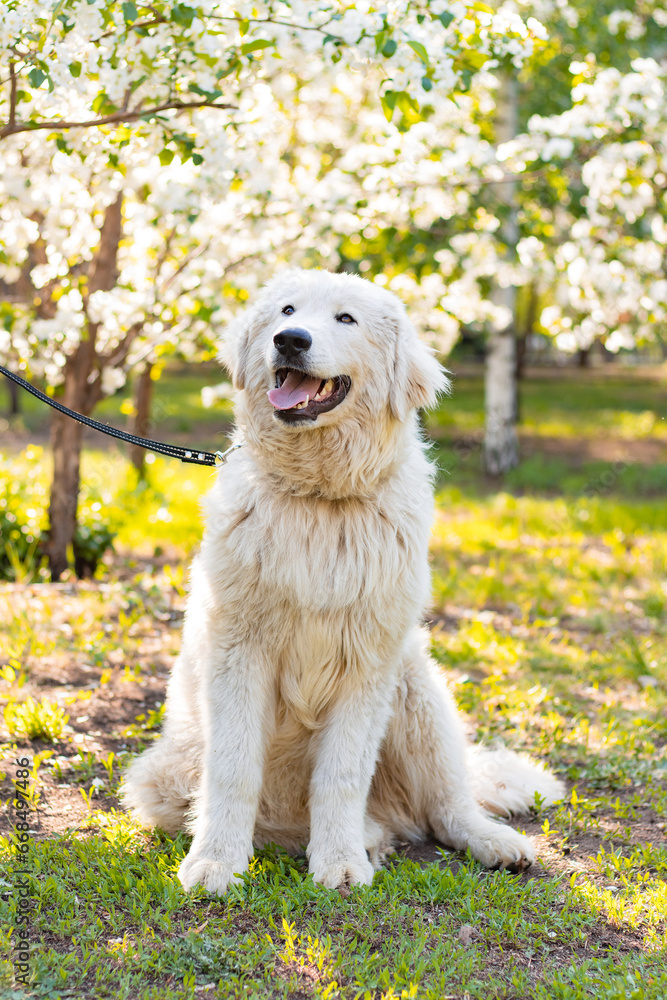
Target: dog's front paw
{"points": [[211, 873], [338, 871], [502, 847]]}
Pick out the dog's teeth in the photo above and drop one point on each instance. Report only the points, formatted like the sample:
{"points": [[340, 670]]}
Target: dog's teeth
{"points": [[328, 385], [307, 401]]}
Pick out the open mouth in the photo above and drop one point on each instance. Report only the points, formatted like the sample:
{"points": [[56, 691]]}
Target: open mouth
{"points": [[300, 396]]}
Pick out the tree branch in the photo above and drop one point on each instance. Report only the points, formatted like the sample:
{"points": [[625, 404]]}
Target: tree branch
{"points": [[181, 267], [117, 355], [60, 125], [102, 274], [323, 29], [161, 19], [158, 19], [12, 94]]}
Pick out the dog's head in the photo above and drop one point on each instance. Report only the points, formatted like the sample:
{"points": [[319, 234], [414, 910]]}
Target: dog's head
{"points": [[318, 347]]}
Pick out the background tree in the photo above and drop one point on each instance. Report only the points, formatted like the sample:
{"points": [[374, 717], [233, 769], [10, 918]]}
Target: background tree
{"points": [[95, 95], [522, 201], [611, 280]]}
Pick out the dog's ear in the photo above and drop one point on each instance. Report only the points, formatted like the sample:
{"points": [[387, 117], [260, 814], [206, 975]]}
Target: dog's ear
{"points": [[418, 376], [234, 346]]}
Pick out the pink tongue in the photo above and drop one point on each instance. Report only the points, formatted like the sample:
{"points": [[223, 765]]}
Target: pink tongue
{"points": [[294, 390]]}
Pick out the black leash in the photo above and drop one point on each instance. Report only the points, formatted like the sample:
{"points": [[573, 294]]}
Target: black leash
{"points": [[216, 458]]}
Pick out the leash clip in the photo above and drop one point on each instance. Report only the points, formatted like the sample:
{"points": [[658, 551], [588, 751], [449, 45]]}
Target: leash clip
{"points": [[221, 456]]}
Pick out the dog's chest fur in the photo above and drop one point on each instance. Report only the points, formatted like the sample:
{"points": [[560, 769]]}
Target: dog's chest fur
{"points": [[329, 588], [315, 554]]}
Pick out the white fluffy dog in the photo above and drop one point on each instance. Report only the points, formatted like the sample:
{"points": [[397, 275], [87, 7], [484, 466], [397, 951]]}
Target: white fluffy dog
{"points": [[304, 708]]}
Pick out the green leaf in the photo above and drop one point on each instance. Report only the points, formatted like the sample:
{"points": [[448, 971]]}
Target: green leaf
{"points": [[102, 105], [446, 18], [420, 50], [389, 47], [388, 101], [66, 23], [75, 68], [244, 27], [36, 77], [129, 12], [231, 68], [137, 83], [210, 95], [182, 14], [426, 83], [166, 156], [185, 147], [197, 159], [405, 103], [259, 43], [475, 59]]}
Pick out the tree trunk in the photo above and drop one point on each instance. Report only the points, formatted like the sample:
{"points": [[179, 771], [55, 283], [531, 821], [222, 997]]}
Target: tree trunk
{"points": [[66, 446], [584, 357], [528, 326], [82, 390], [14, 404], [522, 342], [66, 437], [501, 445], [142, 419], [521, 351]]}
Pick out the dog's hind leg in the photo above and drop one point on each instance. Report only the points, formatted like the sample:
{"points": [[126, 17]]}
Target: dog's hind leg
{"points": [[424, 782]]}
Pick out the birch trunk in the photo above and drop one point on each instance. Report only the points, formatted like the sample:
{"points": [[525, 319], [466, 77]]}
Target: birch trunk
{"points": [[501, 445]]}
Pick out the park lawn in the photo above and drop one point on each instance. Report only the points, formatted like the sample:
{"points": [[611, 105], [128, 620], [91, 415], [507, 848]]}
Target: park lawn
{"points": [[550, 615], [573, 404]]}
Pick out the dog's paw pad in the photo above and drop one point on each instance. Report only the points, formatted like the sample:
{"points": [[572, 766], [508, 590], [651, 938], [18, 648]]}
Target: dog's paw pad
{"points": [[504, 849], [215, 876], [513, 867], [342, 874]]}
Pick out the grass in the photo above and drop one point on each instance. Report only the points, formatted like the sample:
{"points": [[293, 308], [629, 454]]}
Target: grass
{"points": [[569, 403], [35, 720], [550, 616]]}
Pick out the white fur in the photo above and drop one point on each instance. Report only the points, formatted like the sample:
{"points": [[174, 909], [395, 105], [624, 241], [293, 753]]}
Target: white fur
{"points": [[304, 708]]}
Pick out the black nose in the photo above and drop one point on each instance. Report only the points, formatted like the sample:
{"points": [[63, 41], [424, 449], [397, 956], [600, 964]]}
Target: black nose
{"points": [[291, 343]]}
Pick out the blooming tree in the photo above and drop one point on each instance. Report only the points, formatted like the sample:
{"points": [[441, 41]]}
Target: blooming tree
{"points": [[611, 268], [555, 214], [146, 158]]}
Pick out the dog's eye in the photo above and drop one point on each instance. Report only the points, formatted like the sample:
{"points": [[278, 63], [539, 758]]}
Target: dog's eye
{"points": [[345, 318], [288, 310]]}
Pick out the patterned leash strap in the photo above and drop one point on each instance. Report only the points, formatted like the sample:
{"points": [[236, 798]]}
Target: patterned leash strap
{"points": [[215, 458]]}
